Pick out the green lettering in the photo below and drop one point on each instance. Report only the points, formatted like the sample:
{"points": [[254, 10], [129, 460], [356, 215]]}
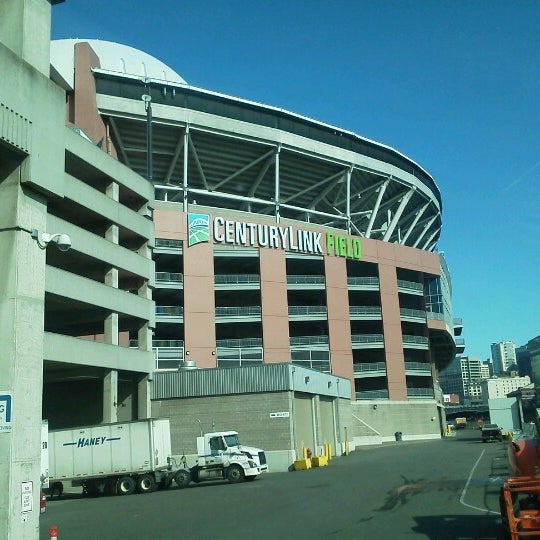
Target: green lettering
{"points": [[342, 246], [357, 248], [329, 243]]}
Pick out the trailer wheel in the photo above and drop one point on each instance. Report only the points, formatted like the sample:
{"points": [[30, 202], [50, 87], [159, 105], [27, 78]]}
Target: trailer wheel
{"points": [[125, 485], [182, 478], [146, 483], [235, 474]]}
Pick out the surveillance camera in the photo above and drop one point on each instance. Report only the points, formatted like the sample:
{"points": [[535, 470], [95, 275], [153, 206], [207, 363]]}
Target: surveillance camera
{"points": [[64, 242]]}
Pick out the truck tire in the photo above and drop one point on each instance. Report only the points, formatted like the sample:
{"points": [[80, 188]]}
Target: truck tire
{"points": [[182, 478], [125, 485], [146, 483], [235, 474]]}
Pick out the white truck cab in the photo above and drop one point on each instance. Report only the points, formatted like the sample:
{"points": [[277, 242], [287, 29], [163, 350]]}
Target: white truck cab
{"points": [[227, 442]]}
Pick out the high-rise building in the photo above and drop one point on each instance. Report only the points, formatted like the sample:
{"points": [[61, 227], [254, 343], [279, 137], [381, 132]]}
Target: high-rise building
{"points": [[503, 355], [463, 377]]}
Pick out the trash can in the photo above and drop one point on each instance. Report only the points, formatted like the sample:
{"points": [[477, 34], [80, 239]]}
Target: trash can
{"points": [[399, 435]]}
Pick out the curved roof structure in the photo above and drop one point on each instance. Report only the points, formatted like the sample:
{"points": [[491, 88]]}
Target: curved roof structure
{"points": [[113, 57], [219, 151]]}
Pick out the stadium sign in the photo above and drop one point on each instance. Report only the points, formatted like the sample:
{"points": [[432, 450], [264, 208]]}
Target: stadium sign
{"points": [[243, 233]]}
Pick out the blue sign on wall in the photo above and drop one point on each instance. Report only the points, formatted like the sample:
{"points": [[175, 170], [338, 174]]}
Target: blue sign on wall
{"points": [[6, 399]]}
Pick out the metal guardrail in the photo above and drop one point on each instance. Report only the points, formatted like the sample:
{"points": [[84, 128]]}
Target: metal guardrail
{"points": [[159, 343], [236, 279], [420, 340], [372, 394], [365, 310], [169, 277], [171, 311], [308, 340], [410, 285], [435, 316], [238, 343], [307, 310], [413, 313], [367, 338], [168, 243], [418, 366], [366, 367], [238, 311], [363, 280], [305, 280], [420, 392]]}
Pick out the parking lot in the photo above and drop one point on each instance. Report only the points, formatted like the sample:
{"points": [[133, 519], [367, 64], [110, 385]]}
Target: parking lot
{"points": [[443, 489]]}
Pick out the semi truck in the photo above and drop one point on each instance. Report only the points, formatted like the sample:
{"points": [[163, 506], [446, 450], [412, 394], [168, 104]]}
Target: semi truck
{"points": [[229, 442], [123, 457]]}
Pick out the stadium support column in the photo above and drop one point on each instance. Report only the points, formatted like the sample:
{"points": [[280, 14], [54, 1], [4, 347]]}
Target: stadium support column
{"points": [[276, 193], [22, 285], [185, 179], [110, 330], [145, 337], [349, 175], [110, 396]]}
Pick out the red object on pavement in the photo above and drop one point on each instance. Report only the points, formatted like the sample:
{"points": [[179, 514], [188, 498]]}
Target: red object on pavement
{"points": [[53, 531]]}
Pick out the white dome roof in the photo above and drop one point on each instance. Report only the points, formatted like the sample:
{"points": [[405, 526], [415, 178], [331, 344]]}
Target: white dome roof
{"points": [[112, 57]]}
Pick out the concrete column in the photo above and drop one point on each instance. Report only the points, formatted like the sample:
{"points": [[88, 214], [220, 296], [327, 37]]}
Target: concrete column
{"points": [[393, 339], [143, 391], [22, 286], [110, 396], [110, 329], [25, 27], [275, 315]]}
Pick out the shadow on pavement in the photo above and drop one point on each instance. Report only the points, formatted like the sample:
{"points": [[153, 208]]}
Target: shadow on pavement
{"points": [[459, 527]]}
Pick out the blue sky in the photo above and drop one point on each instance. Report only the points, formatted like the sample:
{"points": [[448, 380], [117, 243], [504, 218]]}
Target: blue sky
{"points": [[454, 85]]}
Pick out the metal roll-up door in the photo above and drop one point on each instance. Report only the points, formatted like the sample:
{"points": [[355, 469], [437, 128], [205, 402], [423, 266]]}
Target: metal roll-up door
{"points": [[328, 430], [303, 423]]}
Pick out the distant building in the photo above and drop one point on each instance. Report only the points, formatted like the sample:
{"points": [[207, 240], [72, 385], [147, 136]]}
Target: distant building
{"points": [[533, 346], [503, 355], [500, 387], [523, 358], [463, 377]]}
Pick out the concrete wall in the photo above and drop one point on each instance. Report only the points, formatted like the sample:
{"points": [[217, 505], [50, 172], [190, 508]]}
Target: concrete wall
{"points": [[505, 413], [249, 414], [378, 421]]}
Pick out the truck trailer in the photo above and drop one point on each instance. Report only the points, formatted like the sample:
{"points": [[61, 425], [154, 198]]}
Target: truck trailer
{"points": [[124, 457]]}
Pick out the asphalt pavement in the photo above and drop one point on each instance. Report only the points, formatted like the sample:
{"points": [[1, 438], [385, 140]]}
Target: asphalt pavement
{"points": [[438, 490]]}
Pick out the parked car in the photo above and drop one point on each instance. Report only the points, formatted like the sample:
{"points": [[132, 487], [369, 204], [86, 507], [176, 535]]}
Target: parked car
{"points": [[491, 432]]}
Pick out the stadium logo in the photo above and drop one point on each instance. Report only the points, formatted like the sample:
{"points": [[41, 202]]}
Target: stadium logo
{"points": [[198, 229]]}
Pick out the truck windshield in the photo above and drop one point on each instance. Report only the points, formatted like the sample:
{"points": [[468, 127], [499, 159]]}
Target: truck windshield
{"points": [[232, 440]]}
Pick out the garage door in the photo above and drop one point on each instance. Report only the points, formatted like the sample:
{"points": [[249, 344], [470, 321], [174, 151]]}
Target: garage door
{"points": [[327, 422], [303, 423]]}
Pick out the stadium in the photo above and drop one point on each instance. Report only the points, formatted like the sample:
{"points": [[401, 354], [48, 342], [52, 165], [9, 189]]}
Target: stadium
{"points": [[231, 264]]}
